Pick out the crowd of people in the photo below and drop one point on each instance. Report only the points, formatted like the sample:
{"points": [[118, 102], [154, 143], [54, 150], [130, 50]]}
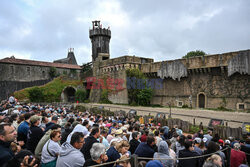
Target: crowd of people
{"points": [[49, 136]]}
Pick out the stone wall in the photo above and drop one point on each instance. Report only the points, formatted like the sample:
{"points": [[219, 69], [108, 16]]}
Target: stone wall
{"points": [[219, 90], [8, 87], [186, 80], [25, 73]]}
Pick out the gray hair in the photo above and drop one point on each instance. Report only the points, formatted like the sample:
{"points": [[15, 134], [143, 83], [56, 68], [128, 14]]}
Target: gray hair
{"points": [[209, 164], [97, 150]]}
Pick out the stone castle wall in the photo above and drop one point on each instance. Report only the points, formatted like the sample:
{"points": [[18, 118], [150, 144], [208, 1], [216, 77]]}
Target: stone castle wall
{"points": [[186, 80], [219, 90]]}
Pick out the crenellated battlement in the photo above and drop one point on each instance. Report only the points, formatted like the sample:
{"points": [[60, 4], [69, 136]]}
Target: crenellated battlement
{"points": [[100, 31]]}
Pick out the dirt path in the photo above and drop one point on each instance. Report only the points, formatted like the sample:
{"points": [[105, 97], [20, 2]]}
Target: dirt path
{"points": [[233, 119]]}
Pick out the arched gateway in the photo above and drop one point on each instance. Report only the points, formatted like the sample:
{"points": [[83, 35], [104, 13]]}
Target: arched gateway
{"points": [[68, 94]]}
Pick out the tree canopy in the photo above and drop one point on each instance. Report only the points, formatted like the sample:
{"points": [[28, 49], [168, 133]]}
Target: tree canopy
{"points": [[194, 54]]}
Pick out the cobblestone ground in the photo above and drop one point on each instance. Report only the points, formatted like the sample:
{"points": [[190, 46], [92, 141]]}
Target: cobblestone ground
{"points": [[186, 114]]}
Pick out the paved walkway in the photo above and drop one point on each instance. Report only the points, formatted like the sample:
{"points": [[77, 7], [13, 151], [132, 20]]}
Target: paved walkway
{"points": [[234, 119]]}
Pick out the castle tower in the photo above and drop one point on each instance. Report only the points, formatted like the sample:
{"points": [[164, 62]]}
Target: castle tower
{"points": [[100, 38]]}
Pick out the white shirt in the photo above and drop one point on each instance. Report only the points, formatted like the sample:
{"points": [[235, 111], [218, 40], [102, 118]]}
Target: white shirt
{"points": [[53, 148], [91, 123]]}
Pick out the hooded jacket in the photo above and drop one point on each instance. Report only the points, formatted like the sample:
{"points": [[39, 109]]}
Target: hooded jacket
{"points": [[164, 153], [70, 157]]}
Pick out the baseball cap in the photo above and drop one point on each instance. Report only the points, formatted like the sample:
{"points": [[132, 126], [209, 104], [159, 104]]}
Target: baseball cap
{"points": [[34, 118]]}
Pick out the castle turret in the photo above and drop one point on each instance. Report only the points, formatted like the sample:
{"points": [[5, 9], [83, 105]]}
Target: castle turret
{"points": [[100, 38]]}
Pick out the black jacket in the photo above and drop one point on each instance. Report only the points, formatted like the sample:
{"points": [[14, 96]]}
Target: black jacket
{"points": [[49, 126], [133, 145], [5, 153], [188, 162], [89, 141], [34, 136]]}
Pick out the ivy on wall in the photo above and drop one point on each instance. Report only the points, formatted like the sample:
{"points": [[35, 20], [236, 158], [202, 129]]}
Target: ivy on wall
{"points": [[138, 95]]}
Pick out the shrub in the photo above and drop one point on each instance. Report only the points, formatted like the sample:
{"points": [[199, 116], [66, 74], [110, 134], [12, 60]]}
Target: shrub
{"points": [[138, 95], [81, 95], [144, 97], [36, 94]]}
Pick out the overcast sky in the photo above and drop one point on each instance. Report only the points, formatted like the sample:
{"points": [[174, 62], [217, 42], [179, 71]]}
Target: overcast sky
{"points": [[161, 29]]}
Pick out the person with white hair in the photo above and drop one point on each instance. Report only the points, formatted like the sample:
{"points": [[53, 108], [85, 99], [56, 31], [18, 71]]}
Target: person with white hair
{"points": [[98, 155], [237, 157]]}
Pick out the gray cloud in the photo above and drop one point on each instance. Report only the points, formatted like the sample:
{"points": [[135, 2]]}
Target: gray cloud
{"points": [[162, 30]]}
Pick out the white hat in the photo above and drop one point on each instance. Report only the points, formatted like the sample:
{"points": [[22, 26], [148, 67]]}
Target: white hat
{"points": [[204, 140], [227, 141]]}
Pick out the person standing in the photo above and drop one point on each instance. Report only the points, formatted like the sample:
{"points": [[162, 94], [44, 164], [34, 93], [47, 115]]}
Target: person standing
{"points": [[163, 153], [35, 133], [237, 157], [8, 134]]}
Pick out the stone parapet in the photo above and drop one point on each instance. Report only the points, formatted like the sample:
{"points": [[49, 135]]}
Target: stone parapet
{"points": [[200, 62]]}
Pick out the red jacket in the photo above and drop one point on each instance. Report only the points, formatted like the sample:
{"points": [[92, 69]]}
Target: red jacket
{"points": [[237, 158]]}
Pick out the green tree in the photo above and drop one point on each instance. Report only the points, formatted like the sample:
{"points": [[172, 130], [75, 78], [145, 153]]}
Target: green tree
{"points": [[133, 76], [145, 96], [81, 95], [138, 93], [194, 54]]}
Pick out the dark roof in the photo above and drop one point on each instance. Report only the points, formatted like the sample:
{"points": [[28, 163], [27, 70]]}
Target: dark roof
{"points": [[69, 60], [38, 63]]}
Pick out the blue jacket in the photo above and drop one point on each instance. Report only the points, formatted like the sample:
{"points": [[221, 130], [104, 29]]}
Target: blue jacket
{"points": [[144, 150], [5, 152], [112, 154]]}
